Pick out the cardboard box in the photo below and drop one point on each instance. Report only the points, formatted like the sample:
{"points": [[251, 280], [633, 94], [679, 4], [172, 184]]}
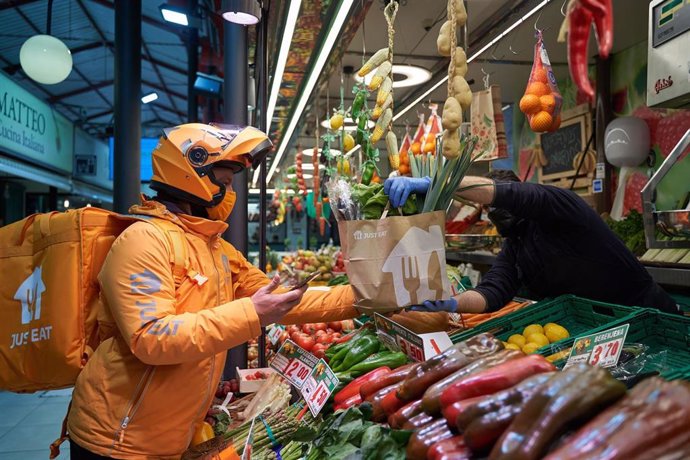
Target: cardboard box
{"points": [[252, 386]]}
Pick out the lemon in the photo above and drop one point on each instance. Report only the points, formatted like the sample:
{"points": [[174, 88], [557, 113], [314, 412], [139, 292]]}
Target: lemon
{"points": [[538, 339], [518, 340], [556, 333], [533, 329], [548, 326], [530, 348], [512, 346]]}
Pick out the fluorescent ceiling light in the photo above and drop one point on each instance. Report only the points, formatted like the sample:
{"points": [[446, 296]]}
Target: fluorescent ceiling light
{"points": [[310, 167], [322, 58], [310, 152], [505, 107], [413, 76], [474, 56], [174, 15], [285, 43], [348, 124], [150, 97], [286, 40], [305, 176]]}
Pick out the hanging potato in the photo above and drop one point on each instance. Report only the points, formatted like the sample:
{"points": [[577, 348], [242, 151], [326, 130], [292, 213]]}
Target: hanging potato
{"points": [[443, 41], [452, 114], [460, 13], [460, 62], [451, 144], [462, 92]]}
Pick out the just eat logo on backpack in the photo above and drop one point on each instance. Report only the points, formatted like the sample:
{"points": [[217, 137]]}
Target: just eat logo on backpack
{"points": [[29, 296]]}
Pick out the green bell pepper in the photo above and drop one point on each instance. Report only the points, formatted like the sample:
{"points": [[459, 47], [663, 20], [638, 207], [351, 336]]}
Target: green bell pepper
{"points": [[383, 358], [360, 350]]}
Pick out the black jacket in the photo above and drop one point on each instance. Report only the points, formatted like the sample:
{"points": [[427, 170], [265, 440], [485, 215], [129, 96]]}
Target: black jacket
{"points": [[561, 246]]}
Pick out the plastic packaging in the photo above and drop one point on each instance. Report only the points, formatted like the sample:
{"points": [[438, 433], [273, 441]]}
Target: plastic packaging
{"points": [[542, 101]]}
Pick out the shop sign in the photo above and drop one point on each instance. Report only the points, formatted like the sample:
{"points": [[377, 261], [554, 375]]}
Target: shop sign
{"points": [[31, 130], [91, 160], [419, 347], [602, 349], [295, 364], [319, 386]]}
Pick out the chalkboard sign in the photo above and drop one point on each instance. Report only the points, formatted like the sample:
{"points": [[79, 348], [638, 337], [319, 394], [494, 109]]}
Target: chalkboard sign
{"points": [[560, 147]]}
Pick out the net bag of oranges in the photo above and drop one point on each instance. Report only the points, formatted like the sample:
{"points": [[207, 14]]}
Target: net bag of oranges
{"points": [[542, 101]]}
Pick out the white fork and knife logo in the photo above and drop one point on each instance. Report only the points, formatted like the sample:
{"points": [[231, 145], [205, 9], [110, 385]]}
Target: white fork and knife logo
{"points": [[29, 294]]}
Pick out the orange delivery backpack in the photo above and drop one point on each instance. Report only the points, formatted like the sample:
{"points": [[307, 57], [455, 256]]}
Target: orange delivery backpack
{"points": [[49, 295]]}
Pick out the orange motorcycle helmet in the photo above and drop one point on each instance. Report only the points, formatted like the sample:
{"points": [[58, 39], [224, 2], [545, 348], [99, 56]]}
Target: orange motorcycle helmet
{"points": [[184, 158]]}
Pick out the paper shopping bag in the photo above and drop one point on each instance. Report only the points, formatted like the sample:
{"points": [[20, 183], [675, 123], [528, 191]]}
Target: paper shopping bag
{"points": [[488, 125], [395, 262]]}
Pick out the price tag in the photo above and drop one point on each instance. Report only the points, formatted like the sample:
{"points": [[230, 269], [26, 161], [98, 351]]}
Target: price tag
{"points": [[293, 363], [275, 333], [319, 386], [419, 347], [602, 349], [600, 171]]}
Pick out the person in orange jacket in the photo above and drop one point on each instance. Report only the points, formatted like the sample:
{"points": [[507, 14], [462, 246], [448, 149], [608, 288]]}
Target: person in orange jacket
{"points": [[148, 385]]}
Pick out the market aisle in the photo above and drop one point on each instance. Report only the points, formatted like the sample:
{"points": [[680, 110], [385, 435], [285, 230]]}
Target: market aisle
{"points": [[30, 422]]}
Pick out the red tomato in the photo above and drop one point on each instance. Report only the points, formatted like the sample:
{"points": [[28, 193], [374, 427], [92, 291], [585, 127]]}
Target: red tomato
{"points": [[308, 328], [305, 342], [336, 335], [336, 326], [296, 335], [319, 350], [293, 328], [283, 337], [324, 338], [320, 326], [329, 330], [320, 333]]}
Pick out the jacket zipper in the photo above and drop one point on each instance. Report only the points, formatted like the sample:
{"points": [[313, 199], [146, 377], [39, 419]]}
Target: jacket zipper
{"points": [[134, 403], [213, 358]]}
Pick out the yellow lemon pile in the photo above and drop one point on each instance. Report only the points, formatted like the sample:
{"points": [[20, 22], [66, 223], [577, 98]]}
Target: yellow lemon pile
{"points": [[535, 336]]}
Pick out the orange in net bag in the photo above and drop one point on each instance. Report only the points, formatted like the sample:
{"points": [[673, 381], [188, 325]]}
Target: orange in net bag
{"points": [[542, 101]]}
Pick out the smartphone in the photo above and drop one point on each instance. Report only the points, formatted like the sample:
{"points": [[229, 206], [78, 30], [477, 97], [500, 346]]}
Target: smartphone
{"points": [[306, 280]]}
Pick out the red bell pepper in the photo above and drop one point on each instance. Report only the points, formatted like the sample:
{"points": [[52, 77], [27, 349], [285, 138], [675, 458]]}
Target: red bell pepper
{"points": [[422, 440], [451, 412], [376, 400], [496, 378], [405, 413], [454, 448], [602, 12], [352, 388], [391, 403], [579, 24], [354, 400], [398, 375], [418, 421]]}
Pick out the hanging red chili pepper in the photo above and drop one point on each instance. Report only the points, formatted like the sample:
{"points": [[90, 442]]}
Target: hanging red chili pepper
{"points": [[580, 21], [602, 12], [299, 172]]}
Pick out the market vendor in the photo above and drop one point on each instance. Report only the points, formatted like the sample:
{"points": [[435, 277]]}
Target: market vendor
{"points": [[554, 244], [147, 387]]}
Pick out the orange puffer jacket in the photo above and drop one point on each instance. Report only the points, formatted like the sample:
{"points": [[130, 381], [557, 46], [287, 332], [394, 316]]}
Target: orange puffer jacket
{"points": [[147, 387]]}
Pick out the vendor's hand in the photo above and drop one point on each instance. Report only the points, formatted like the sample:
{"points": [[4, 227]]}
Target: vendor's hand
{"points": [[399, 189], [272, 307], [450, 305]]}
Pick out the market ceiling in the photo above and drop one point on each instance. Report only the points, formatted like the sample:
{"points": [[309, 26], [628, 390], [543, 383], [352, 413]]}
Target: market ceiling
{"points": [[87, 28]]}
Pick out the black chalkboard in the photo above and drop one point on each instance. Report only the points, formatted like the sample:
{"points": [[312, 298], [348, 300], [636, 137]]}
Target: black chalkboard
{"points": [[560, 148]]}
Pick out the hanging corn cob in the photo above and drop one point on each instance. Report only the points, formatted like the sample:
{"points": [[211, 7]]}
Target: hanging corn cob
{"points": [[392, 147], [384, 91], [376, 60], [379, 109], [383, 72], [381, 125]]}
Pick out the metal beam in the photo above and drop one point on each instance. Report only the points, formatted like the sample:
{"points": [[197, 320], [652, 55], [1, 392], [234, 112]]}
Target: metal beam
{"points": [[15, 4], [145, 19], [161, 79], [78, 91], [164, 90]]}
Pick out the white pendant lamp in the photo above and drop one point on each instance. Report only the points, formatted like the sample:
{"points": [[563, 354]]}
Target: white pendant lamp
{"points": [[243, 12], [44, 58]]}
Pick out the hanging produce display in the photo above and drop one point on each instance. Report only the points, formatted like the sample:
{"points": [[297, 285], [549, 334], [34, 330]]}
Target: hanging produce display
{"points": [[542, 100], [581, 14]]}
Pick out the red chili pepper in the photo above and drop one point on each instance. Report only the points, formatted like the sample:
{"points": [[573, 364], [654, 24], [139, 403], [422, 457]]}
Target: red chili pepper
{"points": [[496, 378], [391, 403], [353, 400], [352, 388], [405, 413], [451, 412], [580, 22], [449, 448], [398, 375], [376, 400], [602, 10]]}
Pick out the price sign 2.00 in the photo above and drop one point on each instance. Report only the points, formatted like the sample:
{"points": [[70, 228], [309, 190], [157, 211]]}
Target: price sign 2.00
{"points": [[293, 363]]}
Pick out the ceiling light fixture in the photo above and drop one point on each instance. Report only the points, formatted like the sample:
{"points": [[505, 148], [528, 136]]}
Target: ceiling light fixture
{"points": [[412, 76], [474, 56], [288, 32], [348, 124], [44, 58], [321, 59], [243, 12], [149, 97], [174, 14], [304, 176], [310, 152]]}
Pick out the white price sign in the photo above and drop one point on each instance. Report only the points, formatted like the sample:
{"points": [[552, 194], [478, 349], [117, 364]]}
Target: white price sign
{"points": [[275, 333], [293, 363], [602, 349], [319, 386]]}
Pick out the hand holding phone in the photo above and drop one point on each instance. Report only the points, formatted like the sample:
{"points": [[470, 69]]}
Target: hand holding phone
{"points": [[306, 280]]}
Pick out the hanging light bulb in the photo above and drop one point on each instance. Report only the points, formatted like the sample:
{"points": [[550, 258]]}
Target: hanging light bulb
{"points": [[44, 58], [243, 12]]}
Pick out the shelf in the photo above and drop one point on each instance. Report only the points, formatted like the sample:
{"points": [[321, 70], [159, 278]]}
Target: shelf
{"points": [[670, 276], [475, 257]]}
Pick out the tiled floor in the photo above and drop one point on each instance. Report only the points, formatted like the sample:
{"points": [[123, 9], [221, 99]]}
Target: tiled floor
{"points": [[30, 422]]}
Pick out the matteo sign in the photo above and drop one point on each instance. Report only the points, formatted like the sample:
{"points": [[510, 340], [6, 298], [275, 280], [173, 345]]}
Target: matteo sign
{"points": [[31, 130]]}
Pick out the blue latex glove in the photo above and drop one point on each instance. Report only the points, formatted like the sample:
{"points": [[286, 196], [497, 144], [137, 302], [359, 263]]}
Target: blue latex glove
{"points": [[450, 305], [399, 189]]}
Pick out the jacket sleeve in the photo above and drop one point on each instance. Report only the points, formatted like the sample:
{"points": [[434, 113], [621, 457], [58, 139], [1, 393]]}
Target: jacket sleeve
{"points": [[542, 202], [501, 283], [137, 283], [319, 304]]}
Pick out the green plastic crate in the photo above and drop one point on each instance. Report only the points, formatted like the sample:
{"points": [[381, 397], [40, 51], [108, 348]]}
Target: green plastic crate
{"points": [[579, 316]]}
